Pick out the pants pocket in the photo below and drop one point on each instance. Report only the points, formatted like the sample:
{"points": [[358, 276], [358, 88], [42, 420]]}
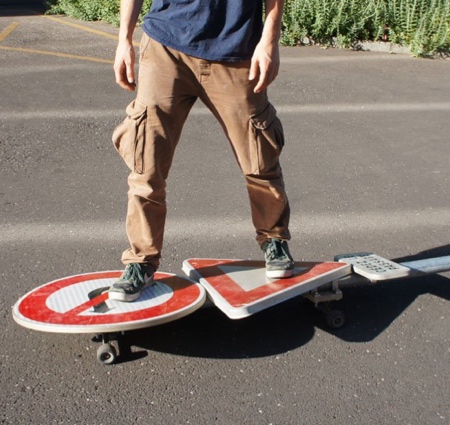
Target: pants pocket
{"points": [[145, 41], [267, 140], [129, 137]]}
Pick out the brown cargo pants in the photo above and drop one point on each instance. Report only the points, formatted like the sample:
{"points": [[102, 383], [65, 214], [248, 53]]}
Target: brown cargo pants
{"points": [[169, 84]]}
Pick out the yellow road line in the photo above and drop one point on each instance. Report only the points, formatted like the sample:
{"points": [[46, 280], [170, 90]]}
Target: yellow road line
{"points": [[63, 55], [9, 29], [85, 28]]}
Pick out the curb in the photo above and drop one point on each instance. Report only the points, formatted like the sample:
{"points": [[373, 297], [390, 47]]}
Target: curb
{"points": [[384, 47]]}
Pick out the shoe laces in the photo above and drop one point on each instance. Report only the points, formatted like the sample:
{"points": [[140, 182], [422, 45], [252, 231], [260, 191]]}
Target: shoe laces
{"points": [[132, 274], [275, 250]]}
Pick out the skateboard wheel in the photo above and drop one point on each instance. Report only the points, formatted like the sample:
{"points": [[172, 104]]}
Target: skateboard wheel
{"points": [[106, 354], [335, 319]]}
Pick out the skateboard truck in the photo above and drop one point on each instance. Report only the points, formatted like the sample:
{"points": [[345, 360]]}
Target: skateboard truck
{"points": [[107, 353], [322, 301]]}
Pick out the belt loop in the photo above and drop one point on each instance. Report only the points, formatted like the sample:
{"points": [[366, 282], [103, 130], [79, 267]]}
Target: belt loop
{"points": [[205, 70]]}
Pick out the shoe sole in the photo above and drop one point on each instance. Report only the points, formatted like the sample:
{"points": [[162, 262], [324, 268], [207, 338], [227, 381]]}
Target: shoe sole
{"points": [[128, 298], [119, 296], [279, 274]]}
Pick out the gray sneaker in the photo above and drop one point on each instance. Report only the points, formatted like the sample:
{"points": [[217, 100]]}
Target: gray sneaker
{"points": [[279, 262], [133, 281]]}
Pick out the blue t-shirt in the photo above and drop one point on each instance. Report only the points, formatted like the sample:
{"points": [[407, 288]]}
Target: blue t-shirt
{"points": [[215, 30]]}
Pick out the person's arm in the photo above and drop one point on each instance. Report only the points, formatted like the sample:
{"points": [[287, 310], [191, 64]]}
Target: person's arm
{"points": [[266, 57], [125, 54]]}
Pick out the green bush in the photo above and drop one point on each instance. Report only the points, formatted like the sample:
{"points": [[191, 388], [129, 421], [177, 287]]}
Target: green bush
{"points": [[341, 22], [88, 10], [421, 25], [92, 10]]}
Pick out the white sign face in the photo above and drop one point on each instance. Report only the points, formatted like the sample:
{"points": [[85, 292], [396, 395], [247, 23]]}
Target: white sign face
{"points": [[250, 278], [71, 297]]}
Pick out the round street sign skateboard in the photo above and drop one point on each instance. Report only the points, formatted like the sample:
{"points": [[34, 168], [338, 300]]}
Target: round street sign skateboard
{"points": [[80, 304]]}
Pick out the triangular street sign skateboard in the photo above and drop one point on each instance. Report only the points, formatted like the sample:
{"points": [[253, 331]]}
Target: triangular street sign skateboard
{"points": [[240, 288]]}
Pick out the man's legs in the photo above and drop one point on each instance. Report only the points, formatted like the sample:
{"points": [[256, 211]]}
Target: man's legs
{"points": [[169, 83], [256, 135], [147, 140]]}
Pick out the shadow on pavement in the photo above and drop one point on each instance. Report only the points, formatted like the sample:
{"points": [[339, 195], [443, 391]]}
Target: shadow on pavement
{"points": [[371, 310], [441, 251], [208, 333]]}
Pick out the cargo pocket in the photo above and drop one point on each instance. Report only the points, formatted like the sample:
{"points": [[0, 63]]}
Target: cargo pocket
{"points": [[267, 140], [129, 137]]}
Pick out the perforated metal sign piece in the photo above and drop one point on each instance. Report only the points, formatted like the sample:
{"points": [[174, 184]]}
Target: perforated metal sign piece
{"points": [[374, 267]]}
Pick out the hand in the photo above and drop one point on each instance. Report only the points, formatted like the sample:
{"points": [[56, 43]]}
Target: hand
{"points": [[124, 66], [264, 65]]}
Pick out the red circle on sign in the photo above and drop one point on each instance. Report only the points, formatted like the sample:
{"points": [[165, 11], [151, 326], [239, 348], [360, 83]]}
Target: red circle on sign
{"points": [[33, 308]]}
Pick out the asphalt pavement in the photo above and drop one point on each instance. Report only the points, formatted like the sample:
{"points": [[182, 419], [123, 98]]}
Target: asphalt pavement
{"points": [[366, 165]]}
